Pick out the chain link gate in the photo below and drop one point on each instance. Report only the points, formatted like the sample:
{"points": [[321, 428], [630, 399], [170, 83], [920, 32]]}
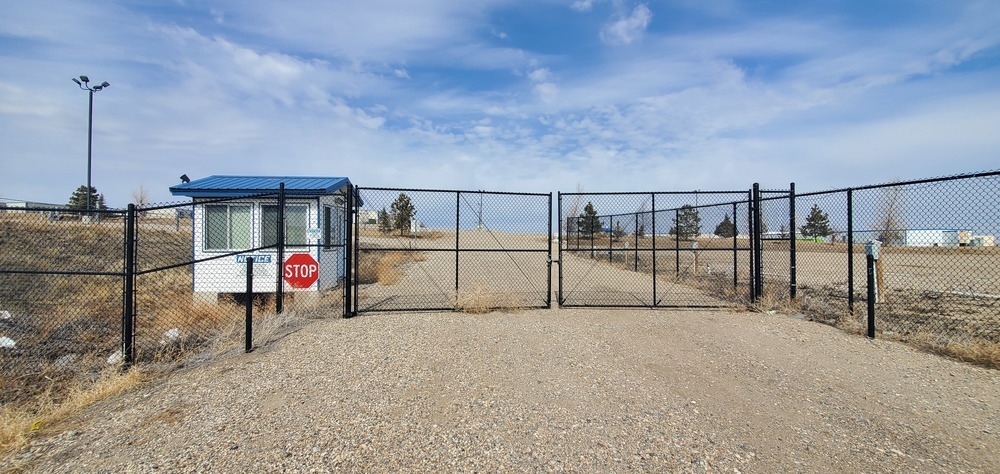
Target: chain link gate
{"points": [[656, 249], [444, 250]]}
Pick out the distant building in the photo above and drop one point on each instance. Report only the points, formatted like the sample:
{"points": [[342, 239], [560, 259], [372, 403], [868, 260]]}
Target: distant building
{"points": [[7, 204], [918, 237]]}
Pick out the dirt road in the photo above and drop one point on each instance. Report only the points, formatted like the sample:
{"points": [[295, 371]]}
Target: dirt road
{"points": [[558, 390]]}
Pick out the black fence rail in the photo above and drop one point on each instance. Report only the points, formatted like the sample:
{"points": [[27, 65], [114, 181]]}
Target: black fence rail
{"points": [[661, 249], [451, 250], [935, 272]]}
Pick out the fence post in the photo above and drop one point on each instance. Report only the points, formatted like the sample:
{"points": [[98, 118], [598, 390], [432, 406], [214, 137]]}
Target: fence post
{"points": [[348, 250], [279, 291], [871, 256], [248, 331], [559, 242], [850, 251], [758, 266], [791, 242], [652, 207], [548, 293], [458, 215], [128, 299]]}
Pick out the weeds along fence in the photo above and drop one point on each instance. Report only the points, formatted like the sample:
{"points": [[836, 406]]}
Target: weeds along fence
{"points": [[655, 249], [935, 277], [82, 291], [474, 251]]}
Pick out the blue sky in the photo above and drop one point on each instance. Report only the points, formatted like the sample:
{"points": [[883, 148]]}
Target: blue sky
{"points": [[502, 95]]}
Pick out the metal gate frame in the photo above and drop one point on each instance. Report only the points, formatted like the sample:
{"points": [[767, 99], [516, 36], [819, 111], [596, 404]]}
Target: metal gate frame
{"points": [[353, 301], [753, 250]]}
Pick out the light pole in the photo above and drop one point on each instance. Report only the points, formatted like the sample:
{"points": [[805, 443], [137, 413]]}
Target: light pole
{"points": [[85, 85]]}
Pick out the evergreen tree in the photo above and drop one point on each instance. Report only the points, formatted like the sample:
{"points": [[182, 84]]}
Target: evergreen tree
{"points": [[817, 223], [385, 221], [589, 223], [687, 224], [403, 212], [725, 228], [78, 200]]}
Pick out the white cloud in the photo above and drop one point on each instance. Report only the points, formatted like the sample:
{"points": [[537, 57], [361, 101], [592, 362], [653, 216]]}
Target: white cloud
{"points": [[273, 91], [539, 75], [218, 15], [627, 29], [582, 5]]}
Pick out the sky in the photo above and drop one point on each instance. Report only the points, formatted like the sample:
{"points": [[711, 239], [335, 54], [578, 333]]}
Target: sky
{"points": [[499, 95]]}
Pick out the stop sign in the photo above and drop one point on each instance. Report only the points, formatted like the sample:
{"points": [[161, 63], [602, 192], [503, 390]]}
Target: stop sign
{"points": [[300, 270]]}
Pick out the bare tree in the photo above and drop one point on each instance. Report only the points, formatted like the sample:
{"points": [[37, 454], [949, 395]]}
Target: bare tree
{"points": [[892, 214], [573, 211], [140, 196]]}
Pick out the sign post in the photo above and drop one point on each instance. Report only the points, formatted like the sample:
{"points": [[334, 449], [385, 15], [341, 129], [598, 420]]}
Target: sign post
{"points": [[300, 270]]}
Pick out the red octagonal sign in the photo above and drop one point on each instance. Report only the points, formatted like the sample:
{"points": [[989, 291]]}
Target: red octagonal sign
{"points": [[301, 270]]}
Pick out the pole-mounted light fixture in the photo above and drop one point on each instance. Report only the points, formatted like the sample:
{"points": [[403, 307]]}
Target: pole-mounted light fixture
{"points": [[85, 85]]}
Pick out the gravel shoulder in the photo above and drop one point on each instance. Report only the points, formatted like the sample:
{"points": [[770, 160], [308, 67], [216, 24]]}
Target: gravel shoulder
{"points": [[548, 390]]}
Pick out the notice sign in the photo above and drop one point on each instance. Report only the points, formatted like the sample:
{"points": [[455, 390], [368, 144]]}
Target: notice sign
{"points": [[256, 258]]}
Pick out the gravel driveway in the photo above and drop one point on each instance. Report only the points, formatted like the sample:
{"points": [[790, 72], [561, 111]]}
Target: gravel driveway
{"points": [[548, 390]]}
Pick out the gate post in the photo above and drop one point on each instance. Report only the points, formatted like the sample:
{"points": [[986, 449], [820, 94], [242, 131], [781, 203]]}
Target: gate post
{"points": [[279, 290], [128, 299], [559, 242], [348, 249], [757, 264], [548, 293], [652, 207], [791, 242]]}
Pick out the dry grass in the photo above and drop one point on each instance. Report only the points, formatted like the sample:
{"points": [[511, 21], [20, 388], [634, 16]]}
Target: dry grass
{"points": [[776, 302], [482, 299], [385, 268], [19, 423], [979, 352], [373, 231]]}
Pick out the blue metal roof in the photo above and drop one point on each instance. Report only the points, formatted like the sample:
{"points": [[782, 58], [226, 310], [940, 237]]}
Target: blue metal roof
{"points": [[228, 186]]}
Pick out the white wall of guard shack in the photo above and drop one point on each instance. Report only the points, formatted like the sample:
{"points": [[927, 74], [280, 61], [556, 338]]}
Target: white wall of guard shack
{"points": [[228, 274]]}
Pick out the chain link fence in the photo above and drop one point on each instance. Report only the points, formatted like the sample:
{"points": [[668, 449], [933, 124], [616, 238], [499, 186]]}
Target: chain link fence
{"points": [[60, 296], [934, 281], [80, 292], [452, 250]]}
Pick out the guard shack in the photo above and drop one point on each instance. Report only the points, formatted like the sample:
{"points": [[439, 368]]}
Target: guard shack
{"points": [[235, 218]]}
